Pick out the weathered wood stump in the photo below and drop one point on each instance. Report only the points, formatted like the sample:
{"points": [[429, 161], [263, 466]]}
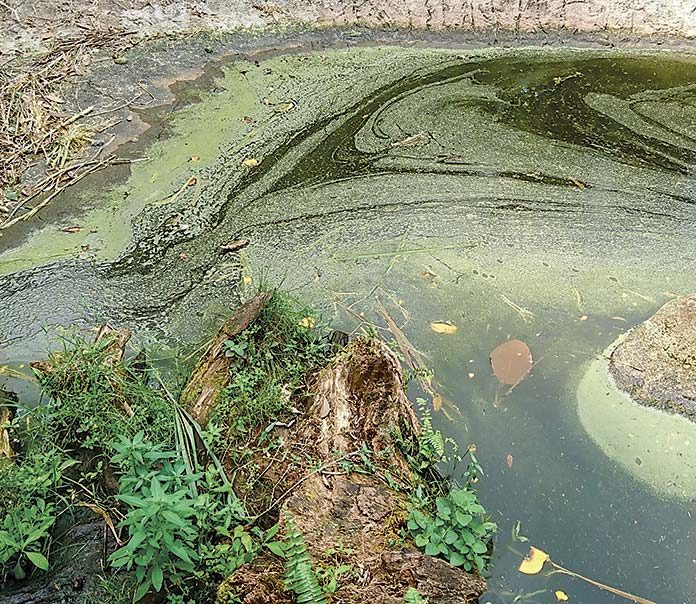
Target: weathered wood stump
{"points": [[358, 403]]}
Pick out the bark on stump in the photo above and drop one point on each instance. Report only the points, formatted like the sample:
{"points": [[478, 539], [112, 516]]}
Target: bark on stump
{"points": [[359, 398]]}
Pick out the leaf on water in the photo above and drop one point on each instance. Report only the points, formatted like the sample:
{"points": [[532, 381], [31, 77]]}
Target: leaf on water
{"points": [[191, 181], [195, 158], [412, 141], [234, 246], [246, 280], [533, 562], [511, 362], [250, 162], [509, 460], [437, 401], [443, 328], [561, 596], [285, 107], [72, 229]]}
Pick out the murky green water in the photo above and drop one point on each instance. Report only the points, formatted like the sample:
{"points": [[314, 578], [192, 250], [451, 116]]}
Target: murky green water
{"points": [[548, 196]]}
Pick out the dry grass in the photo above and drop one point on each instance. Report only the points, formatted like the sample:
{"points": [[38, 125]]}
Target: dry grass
{"points": [[36, 129]]}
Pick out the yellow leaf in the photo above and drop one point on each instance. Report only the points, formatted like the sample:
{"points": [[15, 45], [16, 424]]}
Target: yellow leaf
{"points": [[308, 322], [533, 562], [443, 327], [561, 596], [250, 162], [246, 280], [195, 158], [285, 107], [437, 401]]}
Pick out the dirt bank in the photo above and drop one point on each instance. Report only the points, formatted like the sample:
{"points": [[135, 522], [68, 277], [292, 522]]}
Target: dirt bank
{"points": [[28, 24]]}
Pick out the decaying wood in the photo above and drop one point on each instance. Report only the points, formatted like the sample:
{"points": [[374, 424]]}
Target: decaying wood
{"points": [[358, 400], [5, 418], [115, 349], [211, 373]]}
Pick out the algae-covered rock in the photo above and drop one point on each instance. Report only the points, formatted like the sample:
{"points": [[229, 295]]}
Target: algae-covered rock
{"points": [[656, 362]]}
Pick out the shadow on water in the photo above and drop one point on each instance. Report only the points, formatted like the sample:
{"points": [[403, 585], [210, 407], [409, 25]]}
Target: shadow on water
{"points": [[544, 196]]}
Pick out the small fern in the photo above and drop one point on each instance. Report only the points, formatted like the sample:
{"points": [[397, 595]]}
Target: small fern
{"points": [[431, 443], [300, 577]]}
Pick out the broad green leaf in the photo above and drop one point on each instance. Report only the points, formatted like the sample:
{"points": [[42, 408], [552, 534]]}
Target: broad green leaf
{"points": [[456, 559], [277, 548], [157, 577], [142, 590], [38, 560]]}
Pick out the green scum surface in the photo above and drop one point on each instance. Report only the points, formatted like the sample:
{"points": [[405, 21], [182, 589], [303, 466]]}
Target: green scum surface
{"points": [[538, 194]]}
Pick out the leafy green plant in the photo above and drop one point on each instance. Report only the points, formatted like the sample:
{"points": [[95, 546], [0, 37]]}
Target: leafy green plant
{"points": [[300, 577], [93, 400], [458, 530], [28, 487], [161, 514], [329, 577], [271, 360], [22, 533], [221, 518], [413, 596]]}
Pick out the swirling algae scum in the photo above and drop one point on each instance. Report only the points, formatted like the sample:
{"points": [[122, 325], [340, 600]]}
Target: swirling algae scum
{"points": [[543, 195]]}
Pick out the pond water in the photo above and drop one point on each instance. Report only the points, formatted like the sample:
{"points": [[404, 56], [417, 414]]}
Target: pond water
{"points": [[543, 195]]}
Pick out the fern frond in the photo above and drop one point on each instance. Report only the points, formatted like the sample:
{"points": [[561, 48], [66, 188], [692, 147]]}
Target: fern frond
{"points": [[300, 577]]}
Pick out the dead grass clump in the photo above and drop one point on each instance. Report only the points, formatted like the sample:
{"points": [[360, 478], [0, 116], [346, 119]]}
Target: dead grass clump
{"points": [[36, 126]]}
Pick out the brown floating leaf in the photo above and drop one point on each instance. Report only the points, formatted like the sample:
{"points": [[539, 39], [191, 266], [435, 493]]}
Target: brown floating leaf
{"points": [[413, 140], [511, 362], [437, 401], [72, 229], [509, 460]]}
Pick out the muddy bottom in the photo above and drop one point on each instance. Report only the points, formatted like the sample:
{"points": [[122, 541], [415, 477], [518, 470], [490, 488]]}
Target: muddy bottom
{"points": [[543, 195]]}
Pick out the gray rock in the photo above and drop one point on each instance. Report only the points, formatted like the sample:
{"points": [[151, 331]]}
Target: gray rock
{"points": [[656, 362]]}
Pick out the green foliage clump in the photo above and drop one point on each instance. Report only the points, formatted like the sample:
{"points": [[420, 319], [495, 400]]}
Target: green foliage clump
{"points": [[93, 401], [444, 519], [160, 515], [458, 530], [29, 487], [272, 359], [413, 596], [21, 534]]}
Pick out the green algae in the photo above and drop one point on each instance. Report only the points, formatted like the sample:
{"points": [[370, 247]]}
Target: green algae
{"points": [[656, 447], [499, 190]]}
